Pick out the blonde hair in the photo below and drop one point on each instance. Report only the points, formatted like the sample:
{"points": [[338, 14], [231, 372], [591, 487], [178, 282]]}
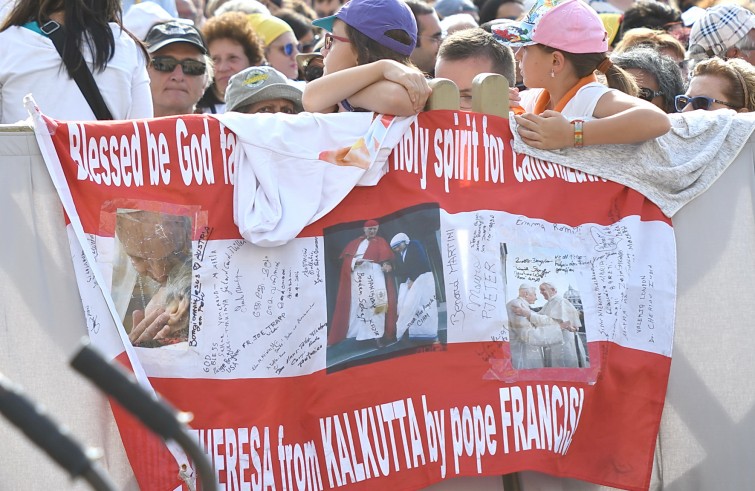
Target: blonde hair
{"points": [[659, 40], [740, 75]]}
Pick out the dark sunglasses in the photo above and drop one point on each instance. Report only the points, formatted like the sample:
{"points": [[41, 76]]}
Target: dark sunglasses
{"points": [[699, 102], [648, 95], [329, 37], [190, 67], [309, 47]]}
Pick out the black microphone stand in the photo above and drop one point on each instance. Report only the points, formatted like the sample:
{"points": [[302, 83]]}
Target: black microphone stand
{"points": [[54, 439], [153, 412]]}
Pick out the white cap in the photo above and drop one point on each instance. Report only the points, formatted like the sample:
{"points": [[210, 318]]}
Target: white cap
{"points": [[142, 16]]}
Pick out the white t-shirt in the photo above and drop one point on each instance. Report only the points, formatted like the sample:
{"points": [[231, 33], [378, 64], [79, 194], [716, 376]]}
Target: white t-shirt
{"points": [[31, 64], [168, 5], [581, 106], [5, 8], [283, 184]]}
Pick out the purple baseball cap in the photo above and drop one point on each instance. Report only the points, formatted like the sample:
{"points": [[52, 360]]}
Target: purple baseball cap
{"points": [[373, 18]]}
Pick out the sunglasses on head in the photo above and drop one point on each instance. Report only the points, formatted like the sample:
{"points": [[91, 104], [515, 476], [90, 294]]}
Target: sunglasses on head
{"points": [[648, 94], [329, 37], [699, 102], [189, 67]]}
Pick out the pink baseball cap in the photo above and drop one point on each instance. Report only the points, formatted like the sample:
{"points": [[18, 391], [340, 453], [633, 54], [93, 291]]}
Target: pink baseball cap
{"points": [[569, 25]]}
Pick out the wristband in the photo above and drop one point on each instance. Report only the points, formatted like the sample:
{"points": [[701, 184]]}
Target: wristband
{"points": [[579, 136]]}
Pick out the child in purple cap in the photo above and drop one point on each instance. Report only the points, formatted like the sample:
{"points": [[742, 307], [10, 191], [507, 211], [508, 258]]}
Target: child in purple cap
{"points": [[560, 48], [367, 64]]}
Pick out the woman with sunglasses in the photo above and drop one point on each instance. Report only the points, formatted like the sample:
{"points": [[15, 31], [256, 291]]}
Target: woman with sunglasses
{"points": [[91, 31], [302, 27], [367, 66], [720, 84], [233, 45], [565, 104], [281, 46], [656, 75]]}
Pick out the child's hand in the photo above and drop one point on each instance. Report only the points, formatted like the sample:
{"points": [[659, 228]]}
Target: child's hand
{"points": [[549, 131], [411, 79], [514, 97]]}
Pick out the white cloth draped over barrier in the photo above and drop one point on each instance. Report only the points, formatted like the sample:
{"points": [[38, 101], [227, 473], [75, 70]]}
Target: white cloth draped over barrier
{"points": [[710, 406], [671, 170], [316, 179]]}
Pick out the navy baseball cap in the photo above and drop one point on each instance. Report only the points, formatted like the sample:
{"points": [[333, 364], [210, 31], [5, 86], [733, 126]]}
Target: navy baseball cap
{"points": [[374, 18]]}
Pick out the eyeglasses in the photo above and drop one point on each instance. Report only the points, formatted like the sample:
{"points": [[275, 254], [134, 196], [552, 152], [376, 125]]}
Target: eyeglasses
{"points": [[648, 94], [673, 26], [699, 102], [700, 52], [309, 47], [287, 49], [329, 37], [190, 67]]}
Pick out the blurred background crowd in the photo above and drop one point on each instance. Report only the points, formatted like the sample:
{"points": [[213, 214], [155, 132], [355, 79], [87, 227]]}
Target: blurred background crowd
{"points": [[168, 57]]}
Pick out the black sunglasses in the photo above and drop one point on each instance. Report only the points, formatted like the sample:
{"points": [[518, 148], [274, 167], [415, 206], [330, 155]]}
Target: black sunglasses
{"points": [[648, 94], [699, 102], [309, 47], [189, 67]]}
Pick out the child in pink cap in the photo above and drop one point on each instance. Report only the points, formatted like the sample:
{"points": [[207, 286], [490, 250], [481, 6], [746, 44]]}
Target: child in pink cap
{"points": [[367, 64], [560, 48]]}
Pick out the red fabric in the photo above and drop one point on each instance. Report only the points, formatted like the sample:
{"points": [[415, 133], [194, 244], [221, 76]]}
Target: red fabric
{"points": [[611, 426], [378, 251]]}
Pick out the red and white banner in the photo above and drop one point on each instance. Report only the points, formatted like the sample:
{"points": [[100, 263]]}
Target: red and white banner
{"points": [[477, 312]]}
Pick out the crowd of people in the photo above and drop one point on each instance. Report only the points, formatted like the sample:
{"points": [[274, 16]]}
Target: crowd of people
{"points": [[569, 86]]}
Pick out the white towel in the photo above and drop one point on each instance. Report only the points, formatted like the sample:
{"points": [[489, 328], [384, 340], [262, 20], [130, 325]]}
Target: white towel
{"points": [[282, 184], [671, 170]]}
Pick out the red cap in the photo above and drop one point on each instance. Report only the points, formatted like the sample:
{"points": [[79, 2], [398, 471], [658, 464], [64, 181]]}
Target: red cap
{"points": [[371, 223]]}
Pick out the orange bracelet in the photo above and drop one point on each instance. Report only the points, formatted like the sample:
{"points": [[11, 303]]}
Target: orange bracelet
{"points": [[579, 135]]}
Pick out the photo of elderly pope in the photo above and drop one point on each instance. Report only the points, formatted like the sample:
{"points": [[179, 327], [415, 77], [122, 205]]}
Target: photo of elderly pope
{"points": [[366, 303]]}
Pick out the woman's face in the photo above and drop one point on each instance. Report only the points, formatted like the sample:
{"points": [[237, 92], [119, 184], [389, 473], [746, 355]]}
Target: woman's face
{"points": [[281, 54], [708, 86], [535, 65], [647, 80], [307, 42], [229, 59], [341, 54]]}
